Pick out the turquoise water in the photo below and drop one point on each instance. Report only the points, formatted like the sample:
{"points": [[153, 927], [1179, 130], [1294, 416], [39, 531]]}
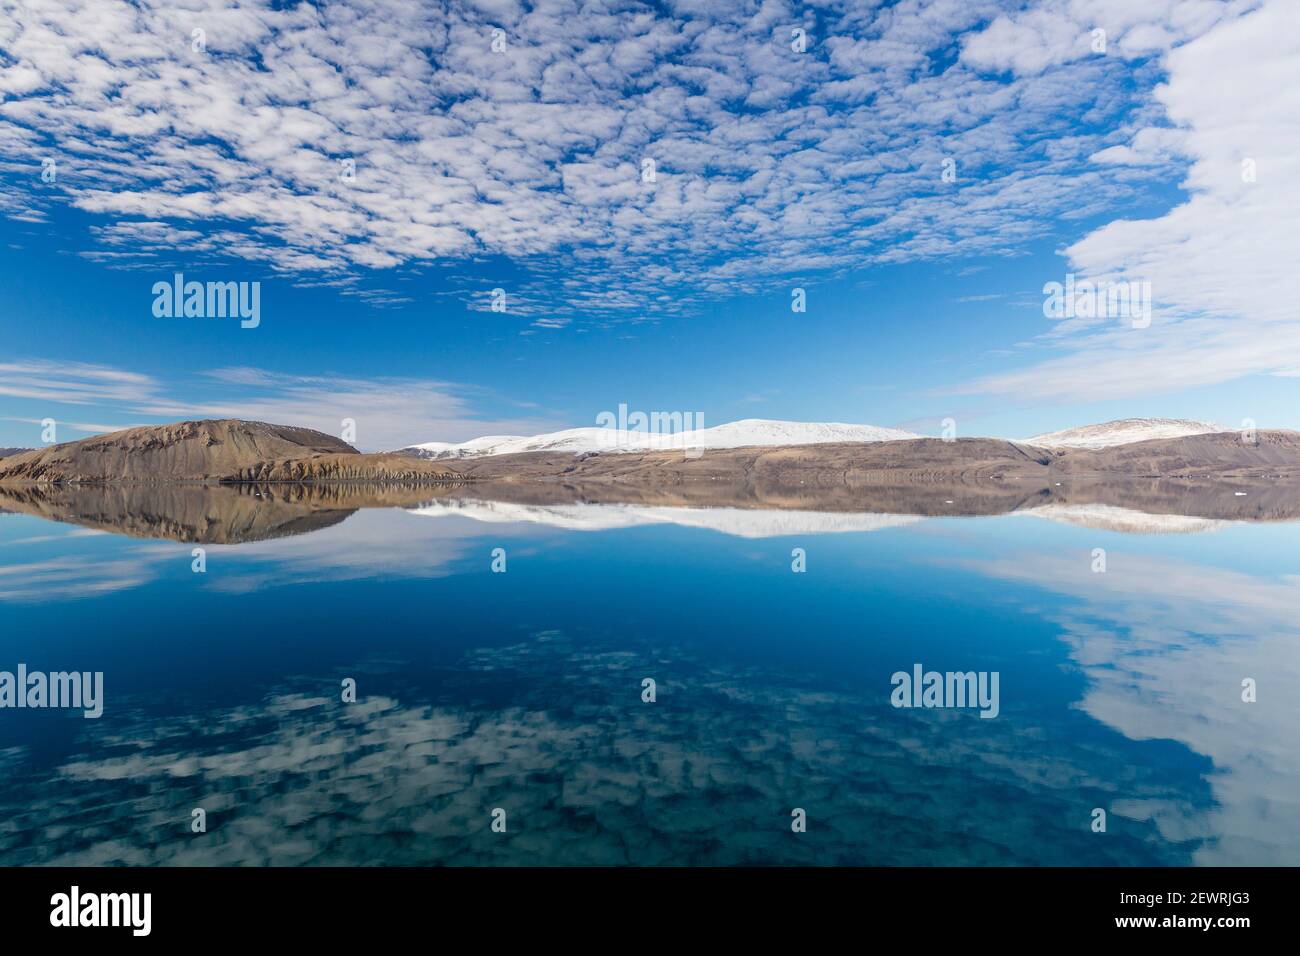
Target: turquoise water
{"points": [[522, 692]]}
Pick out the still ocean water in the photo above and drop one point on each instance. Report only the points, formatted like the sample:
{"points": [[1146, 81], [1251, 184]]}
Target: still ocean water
{"points": [[522, 692]]}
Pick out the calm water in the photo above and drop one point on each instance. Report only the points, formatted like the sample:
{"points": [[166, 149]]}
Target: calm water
{"points": [[522, 691]]}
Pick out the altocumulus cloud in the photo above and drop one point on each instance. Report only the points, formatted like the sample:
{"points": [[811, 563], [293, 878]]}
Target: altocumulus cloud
{"points": [[1221, 263], [769, 163], [389, 412]]}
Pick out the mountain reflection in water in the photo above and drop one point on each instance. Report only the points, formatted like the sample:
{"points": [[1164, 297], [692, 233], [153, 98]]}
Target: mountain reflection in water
{"points": [[236, 513]]}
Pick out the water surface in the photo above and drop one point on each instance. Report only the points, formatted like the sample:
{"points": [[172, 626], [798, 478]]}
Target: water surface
{"points": [[522, 691]]}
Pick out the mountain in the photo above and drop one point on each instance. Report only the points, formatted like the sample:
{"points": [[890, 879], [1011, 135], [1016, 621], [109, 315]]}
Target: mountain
{"points": [[1268, 454], [7, 452], [208, 482], [1123, 432], [468, 449], [807, 460], [182, 451], [213, 450], [921, 463], [750, 432], [763, 433]]}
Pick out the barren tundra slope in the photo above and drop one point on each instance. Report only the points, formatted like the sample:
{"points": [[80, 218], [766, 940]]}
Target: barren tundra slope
{"points": [[389, 467], [919, 462], [215, 450], [184, 451], [1222, 454]]}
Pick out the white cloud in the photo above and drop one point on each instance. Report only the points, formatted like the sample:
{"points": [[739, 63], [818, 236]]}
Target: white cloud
{"points": [[389, 412], [73, 383], [1222, 264], [68, 577], [1057, 32], [769, 163]]}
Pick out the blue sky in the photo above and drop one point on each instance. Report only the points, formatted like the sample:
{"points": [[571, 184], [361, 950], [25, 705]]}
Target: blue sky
{"points": [[379, 168]]}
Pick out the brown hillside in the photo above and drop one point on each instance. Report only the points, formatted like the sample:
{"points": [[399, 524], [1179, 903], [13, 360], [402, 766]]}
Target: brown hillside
{"points": [[185, 451]]}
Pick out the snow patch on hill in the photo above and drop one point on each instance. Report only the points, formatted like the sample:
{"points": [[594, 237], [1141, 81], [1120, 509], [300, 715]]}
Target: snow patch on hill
{"points": [[1123, 432], [749, 432]]}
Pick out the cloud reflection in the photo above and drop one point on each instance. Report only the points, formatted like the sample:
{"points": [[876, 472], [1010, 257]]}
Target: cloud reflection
{"points": [[1165, 645], [588, 774]]}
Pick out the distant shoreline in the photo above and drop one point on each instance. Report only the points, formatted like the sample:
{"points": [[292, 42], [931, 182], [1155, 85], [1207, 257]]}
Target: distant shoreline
{"points": [[237, 452]]}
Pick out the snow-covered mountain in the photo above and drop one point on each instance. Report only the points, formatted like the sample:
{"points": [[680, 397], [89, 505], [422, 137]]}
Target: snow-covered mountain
{"points": [[751, 431], [764, 432], [1123, 432]]}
